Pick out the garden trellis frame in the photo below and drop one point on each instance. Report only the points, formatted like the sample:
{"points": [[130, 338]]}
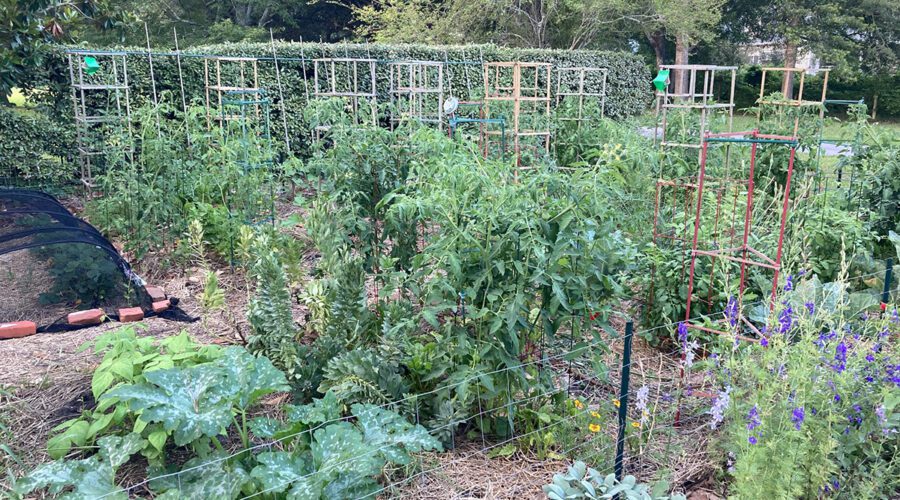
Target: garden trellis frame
{"points": [[699, 95], [358, 86], [679, 192], [574, 87], [510, 83], [239, 83], [417, 91], [791, 102], [693, 98], [91, 82], [739, 251]]}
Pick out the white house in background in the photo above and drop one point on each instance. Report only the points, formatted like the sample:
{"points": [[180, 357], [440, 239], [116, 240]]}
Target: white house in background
{"points": [[772, 54]]}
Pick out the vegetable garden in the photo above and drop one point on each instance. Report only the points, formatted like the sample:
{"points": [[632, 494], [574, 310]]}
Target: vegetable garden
{"points": [[381, 305]]}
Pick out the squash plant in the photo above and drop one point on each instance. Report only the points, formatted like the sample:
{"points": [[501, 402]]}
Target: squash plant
{"points": [[321, 456], [127, 359]]}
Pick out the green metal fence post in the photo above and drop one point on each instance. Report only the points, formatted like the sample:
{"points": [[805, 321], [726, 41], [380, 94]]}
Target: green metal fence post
{"points": [[888, 273], [623, 400]]}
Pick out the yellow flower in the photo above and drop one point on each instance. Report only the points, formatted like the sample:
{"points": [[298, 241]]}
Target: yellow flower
{"points": [[617, 403], [636, 424], [594, 427], [595, 414], [578, 404]]}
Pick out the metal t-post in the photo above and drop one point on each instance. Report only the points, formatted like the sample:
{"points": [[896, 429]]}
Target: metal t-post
{"points": [[623, 401]]}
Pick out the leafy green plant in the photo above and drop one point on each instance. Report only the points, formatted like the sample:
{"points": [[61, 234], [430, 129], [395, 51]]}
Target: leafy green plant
{"points": [[580, 481], [91, 477], [813, 408], [127, 359], [201, 401], [342, 458]]}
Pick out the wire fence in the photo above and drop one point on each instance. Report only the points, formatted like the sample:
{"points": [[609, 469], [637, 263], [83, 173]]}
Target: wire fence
{"points": [[595, 393]]}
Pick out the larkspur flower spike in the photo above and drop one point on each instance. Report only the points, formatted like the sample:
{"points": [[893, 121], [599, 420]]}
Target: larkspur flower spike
{"points": [[731, 311], [719, 406], [797, 417]]}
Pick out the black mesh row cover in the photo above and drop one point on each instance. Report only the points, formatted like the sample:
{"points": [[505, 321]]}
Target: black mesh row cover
{"points": [[53, 263]]}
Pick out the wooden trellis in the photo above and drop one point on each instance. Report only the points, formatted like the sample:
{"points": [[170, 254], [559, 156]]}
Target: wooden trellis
{"points": [[101, 97], [699, 95], [521, 92], [417, 91], [575, 83], [241, 75], [788, 76], [356, 82]]}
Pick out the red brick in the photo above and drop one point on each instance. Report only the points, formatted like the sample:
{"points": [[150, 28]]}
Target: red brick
{"points": [[89, 317], [17, 329], [157, 294], [161, 306], [130, 314]]}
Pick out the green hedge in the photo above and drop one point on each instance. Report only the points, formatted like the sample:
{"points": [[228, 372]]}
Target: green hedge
{"points": [[628, 86], [34, 150]]}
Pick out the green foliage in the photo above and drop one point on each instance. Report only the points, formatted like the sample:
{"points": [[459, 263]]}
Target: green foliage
{"points": [[83, 275], [127, 358], [201, 401], [186, 171], [322, 456], [816, 410], [30, 27], [37, 150], [342, 458], [269, 313], [91, 477], [361, 376], [470, 269], [628, 90], [580, 481]]}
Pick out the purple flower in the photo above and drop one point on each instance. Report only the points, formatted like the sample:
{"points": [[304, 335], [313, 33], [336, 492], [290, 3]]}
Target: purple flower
{"points": [[753, 419], [810, 307], [895, 316], [764, 342], [802, 272], [882, 421], [840, 357], [719, 406], [870, 357], [752, 440], [786, 319], [682, 332], [797, 417], [731, 311], [789, 285]]}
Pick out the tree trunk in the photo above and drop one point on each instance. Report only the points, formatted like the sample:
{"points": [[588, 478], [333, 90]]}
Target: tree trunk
{"points": [[658, 42], [874, 106], [682, 47], [790, 61]]}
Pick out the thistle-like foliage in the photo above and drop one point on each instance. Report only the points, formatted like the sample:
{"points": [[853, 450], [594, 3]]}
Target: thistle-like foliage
{"points": [[274, 332], [361, 375]]}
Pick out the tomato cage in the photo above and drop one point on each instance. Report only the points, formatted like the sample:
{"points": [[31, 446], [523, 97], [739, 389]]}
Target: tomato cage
{"points": [[737, 241]]}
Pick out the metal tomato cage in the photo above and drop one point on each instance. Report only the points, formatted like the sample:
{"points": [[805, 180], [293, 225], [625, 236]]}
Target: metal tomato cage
{"points": [[730, 241]]}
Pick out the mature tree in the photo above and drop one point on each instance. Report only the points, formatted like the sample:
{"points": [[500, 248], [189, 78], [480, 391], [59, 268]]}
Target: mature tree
{"points": [[687, 22], [566, 24], [27, 27], [833, 29]]}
